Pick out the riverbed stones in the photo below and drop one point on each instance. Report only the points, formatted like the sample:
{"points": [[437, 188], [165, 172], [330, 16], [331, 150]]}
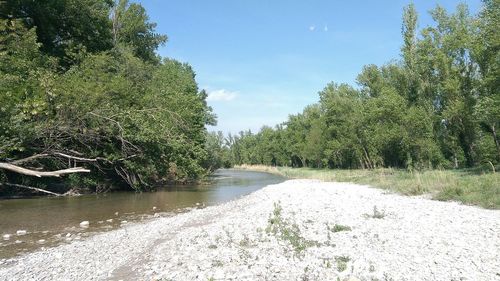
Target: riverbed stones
{"points": [[21, 232], [84, 224], [418, 239], [6, 236]]}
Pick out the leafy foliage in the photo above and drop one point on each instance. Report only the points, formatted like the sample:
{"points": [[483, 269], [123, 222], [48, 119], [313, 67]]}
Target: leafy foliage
{"points": [[74, 83], [436, 107]]}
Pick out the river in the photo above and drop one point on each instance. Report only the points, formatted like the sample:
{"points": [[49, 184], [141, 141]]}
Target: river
{"points": [[49, 221]]}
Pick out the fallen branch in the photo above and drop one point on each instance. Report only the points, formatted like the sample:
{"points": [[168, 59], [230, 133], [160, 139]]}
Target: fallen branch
{"points": [[31, 188], [24, 171], [79, 159], [17, 162]]}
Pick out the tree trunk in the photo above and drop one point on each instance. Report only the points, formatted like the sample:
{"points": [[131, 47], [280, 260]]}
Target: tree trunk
{"points": [[495, 138]]}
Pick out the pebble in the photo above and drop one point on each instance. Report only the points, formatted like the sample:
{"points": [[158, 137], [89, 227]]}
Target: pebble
{"points": [[176, 247], [21, 232], [154, 208], [6, 236], [109, 220], [41, 241], [84, 224]]}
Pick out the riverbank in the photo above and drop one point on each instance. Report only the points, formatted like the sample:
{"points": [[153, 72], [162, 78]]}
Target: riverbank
{"points": [[466, 186], [296, 230]]}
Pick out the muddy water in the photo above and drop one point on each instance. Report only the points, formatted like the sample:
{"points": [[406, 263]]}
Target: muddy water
{"points": [[52, 221]]}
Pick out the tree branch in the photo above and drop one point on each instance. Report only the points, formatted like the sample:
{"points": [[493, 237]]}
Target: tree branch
{"points": [[58, 173], [31, 188]]}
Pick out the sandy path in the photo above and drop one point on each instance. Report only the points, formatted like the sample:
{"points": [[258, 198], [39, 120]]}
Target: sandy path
{"points": [[416, 239]]}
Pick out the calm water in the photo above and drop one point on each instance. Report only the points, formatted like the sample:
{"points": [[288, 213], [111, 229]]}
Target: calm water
{"points": [[51, 221]]}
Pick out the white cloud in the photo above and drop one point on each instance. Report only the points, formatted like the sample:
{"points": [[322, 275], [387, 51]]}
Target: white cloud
{"points": [[312, 28], [221, 95]]}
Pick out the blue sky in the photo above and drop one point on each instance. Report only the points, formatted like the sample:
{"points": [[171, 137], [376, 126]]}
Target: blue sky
{"points": [[261, 60]]}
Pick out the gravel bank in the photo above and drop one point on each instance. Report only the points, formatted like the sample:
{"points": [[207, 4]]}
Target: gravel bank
{"points": [[320, 231]]}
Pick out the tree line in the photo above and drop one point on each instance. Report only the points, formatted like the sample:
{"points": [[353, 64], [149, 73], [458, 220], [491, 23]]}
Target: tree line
{"points": [[438, 106], [82, 89]]}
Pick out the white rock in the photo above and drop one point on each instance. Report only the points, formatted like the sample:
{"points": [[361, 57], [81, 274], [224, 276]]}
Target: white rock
{"points": [[6, 236], [116, 213], [110, 220], [21, 232], [84, 224], [154, 208], [124, 222], [19, 241], [41, 241], [68, 235]]}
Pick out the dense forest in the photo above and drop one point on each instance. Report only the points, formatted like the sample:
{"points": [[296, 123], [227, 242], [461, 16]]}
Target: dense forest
{"points": [[84, 93], [438, 106]]}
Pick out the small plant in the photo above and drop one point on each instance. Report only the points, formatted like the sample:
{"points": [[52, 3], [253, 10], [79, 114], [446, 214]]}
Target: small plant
{"points": [[342, 262], [245, 242], [376, 214], [212, 246], [305, 277], [286, 231], [372, 268], [339, 228], [217, 263]]}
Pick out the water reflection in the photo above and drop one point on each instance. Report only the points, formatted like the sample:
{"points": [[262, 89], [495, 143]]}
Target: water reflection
{"points": [[49, 221]]}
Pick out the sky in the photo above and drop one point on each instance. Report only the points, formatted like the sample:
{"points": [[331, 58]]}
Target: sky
{"points": [[262, 60]]}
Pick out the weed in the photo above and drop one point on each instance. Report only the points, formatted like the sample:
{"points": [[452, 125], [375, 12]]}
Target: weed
{"points": [[372, 268], [245, 242], [217, 263], [342, 262], [287, 231], [376, 214], [339, 228]]}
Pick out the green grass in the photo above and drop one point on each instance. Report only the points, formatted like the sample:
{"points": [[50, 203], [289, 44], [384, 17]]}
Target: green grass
{"points": [[472, 187]]}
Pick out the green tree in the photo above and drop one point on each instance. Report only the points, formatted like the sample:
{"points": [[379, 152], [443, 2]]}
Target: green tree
{"points": [[131, 26]]}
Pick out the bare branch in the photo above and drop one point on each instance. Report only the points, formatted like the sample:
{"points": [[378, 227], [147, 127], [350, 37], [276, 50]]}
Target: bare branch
{"points": [[80, 159], [21, 170], [27, 159], [31, 188]]}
